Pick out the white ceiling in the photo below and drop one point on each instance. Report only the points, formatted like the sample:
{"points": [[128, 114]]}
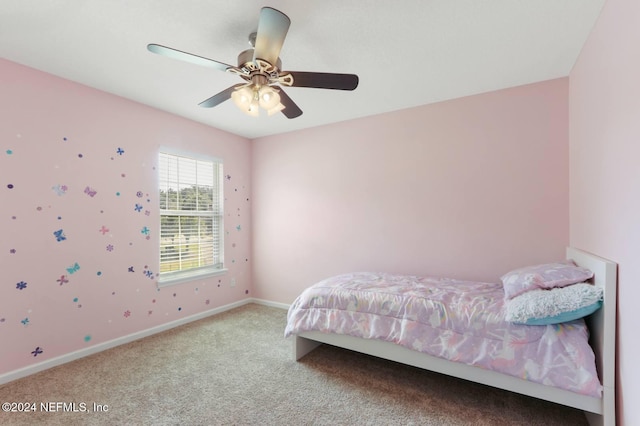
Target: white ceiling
{"points": [[406, 53]]}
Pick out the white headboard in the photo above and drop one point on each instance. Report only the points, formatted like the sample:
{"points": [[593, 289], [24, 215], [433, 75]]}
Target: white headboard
{"points": [[602, 324]]}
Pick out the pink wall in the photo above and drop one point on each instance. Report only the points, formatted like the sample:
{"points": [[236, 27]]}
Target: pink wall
{"points": [[604, 100], [60, 171], [467, 188]]}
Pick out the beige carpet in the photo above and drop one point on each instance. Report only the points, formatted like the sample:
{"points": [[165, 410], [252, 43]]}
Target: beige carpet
{"points": [[237, 369]]}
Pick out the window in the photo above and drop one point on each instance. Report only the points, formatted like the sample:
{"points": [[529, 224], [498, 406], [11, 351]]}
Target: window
{"points": [[191, 218]]}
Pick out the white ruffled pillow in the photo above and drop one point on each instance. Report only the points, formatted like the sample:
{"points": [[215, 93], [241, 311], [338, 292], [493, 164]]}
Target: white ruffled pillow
{"points": [[543, 307], [545, 276]]}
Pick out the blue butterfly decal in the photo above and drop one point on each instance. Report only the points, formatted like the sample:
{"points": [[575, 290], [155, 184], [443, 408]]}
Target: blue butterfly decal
{"points": [[59, 234], [73, 269]]}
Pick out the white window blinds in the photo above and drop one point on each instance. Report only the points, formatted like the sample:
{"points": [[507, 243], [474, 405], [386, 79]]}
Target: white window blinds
{"points": [[191, 216]]}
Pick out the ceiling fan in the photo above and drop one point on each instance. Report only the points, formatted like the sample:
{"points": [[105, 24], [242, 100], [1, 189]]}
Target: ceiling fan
{"points": [[260, 68]]}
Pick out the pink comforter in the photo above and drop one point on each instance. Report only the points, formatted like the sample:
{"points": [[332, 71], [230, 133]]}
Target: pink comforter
{"points": [[461, 321]]}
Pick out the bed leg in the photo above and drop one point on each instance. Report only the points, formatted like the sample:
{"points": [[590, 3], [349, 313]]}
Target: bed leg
{"points": [[302, 346], [608, 416]]}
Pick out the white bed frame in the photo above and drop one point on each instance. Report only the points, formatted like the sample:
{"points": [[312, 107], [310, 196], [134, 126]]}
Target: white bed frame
{"points": [[602, 326]]}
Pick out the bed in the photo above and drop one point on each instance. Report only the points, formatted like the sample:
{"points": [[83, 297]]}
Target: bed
{"points": [[596, 399]]}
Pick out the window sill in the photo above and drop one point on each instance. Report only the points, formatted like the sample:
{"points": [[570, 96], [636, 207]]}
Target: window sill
{"points": [[173, 278]]}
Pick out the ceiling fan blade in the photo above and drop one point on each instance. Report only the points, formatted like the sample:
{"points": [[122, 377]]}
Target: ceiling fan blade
{"points": [[188, 57], [272, 29], [291, 110], [320, 80], [219, 98]]}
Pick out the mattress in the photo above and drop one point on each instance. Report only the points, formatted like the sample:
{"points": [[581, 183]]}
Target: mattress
{"points": [[461, 321]]}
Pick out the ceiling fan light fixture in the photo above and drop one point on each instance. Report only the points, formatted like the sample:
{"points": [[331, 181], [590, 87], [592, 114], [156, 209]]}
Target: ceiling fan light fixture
{"points": [[269, 97], [250, 98], [245, 98], [242, 97]]}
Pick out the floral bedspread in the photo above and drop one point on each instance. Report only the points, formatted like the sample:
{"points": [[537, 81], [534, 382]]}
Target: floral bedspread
{"points": [[461, 321]]}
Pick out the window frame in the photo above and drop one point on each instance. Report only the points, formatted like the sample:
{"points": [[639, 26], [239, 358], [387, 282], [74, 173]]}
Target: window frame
{"points": [[175, 277]]}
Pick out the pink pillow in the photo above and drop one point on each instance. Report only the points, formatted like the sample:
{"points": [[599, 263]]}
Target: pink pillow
{"points": [[546, 276]]}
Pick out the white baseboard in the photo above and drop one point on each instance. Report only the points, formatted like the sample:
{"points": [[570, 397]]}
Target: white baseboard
{"points": [[72, 356], [279, 305]]}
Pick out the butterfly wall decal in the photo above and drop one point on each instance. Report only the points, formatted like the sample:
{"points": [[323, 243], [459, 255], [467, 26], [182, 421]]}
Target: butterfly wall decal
{"points": [[90, 192], [59, 234], [73, 269]]}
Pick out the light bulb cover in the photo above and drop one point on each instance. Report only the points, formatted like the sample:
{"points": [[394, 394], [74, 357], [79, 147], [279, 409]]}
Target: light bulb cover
{"points": [[269, 97], [242, 97]]}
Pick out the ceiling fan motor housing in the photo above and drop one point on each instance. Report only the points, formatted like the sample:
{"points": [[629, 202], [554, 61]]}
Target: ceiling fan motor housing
{"points": [[245, 61]]}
